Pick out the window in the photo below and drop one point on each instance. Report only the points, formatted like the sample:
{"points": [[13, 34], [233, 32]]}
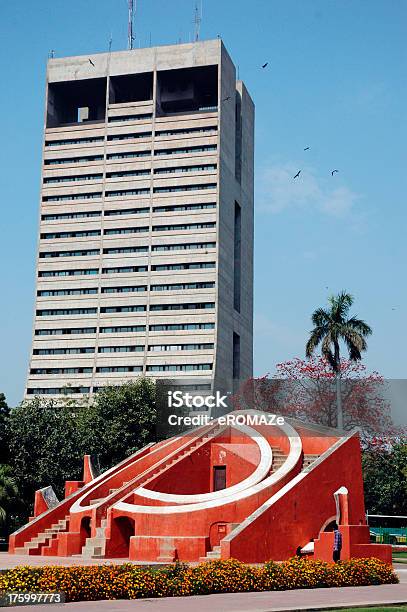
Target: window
{"points": [[58, 235], [60, 292], [65, 332], [124, 270], [184, 247], [73, 141], [126, 192], [236, 356], [77, 196], [130, 117], [121, 349], [181, 207], [49, 273], [200, 130], [64, 351], [58, 390], [136, 289], [72, 179], [124, 173], [112, 309], [181, 326], [237, 258], [128, 155], [55, 312], [190, 367], [185, 150], [126, 211], [78, 215], [123, 329], [183, 286], [182, 226], [183, 266], [125, 230], [180, 347], [184, 188], [201, 168], [72, 160], [117, 250], [47, 255], [111, 369], [188, 306], [114, 137], [61, 371]]}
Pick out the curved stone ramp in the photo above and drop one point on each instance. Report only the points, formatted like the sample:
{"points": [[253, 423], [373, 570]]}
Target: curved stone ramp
{"points": [[261, 471], [292, 460]]}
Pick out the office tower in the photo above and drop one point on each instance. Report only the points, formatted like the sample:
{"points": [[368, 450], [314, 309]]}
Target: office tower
{"points": [[145, 256]]}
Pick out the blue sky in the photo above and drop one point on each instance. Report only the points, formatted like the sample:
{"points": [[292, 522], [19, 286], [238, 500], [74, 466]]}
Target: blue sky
{"points": [[335, 82]]}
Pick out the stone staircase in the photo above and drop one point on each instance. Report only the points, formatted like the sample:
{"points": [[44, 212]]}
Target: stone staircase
{"points": [[308, 459], [278, 458], [95, 547], [43, 540]]}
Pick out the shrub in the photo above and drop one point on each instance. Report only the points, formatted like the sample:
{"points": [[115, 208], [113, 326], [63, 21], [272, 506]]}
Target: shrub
{"points": [[128, 581]]}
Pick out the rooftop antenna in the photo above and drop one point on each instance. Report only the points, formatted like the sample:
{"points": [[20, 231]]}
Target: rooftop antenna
{"points": [[130, 32], [110, 42], [197, 20]]}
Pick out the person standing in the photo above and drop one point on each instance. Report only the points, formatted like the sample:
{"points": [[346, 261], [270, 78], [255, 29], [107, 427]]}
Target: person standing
{"points": [[337, 544]]}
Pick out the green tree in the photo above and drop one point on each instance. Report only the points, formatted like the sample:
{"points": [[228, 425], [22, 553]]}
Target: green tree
{"points": [[44, 446], [9, 498], [4, 414], [119, 421], [385, 479], [331, 326]]}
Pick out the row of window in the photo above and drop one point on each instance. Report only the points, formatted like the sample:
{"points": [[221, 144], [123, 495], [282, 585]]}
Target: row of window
{"points": [[127, 211], [128, 269], [127, 192], [126, 250], [94, 139], [59, 312], [128, 173], [137, 348], [125, 329], [126, 230], [190, 367], [125, 289], [120, 118], [130, 154]]}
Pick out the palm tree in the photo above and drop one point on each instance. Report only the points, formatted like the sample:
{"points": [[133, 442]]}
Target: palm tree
{"points": [[331, 325]]}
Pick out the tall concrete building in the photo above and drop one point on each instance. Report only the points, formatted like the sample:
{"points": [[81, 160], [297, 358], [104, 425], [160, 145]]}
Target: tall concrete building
{"points": [[145, 256]]}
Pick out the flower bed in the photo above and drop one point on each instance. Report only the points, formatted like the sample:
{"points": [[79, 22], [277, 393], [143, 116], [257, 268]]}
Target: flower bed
{"points": [[90, 583]]}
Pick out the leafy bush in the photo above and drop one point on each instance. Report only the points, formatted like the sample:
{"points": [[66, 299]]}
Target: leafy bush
{"points": [[127, 581]]}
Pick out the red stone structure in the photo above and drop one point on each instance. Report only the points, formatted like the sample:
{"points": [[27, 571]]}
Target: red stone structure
{"points": [[241, 487]]}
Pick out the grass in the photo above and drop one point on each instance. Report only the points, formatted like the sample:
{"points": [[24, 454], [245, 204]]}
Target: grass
{"points": [[400, 555], [377, 609]]}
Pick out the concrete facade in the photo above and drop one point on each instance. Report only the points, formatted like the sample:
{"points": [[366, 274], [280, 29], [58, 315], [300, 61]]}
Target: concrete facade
{"points": [[145, 256]]}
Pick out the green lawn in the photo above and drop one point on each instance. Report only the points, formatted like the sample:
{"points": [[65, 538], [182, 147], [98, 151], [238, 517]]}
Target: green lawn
{"points": [[400, 555], [377, 609]]}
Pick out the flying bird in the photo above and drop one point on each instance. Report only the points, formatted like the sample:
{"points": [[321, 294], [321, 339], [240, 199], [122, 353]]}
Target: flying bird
{"points": [[298, 174], [306, 148], [90, 61], [333, 172], [265, 65]]}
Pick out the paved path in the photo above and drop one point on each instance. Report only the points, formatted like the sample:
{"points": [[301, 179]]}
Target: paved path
{"points": [[302, 599]]}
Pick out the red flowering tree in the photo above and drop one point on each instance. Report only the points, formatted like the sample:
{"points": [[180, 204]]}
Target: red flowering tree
{"points": [[306, 389]]}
